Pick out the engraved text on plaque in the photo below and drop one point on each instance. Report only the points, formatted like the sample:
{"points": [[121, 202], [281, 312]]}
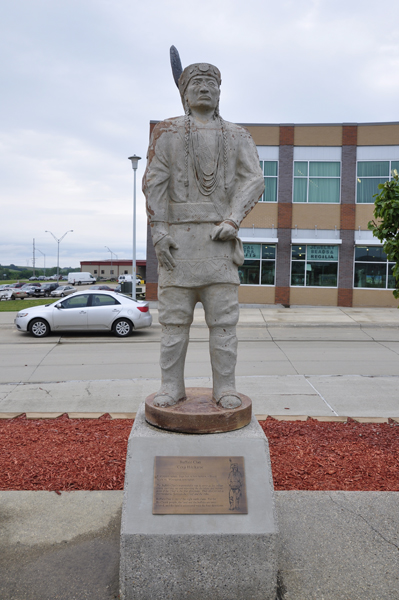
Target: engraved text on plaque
{"points": [[199, 485]]}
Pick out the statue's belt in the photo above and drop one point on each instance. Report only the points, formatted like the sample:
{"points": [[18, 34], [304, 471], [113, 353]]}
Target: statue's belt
{"points": [[193, 212]]}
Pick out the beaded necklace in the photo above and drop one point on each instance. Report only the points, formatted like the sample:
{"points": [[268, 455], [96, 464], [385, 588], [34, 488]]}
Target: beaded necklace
{"points": [[207, 181]]}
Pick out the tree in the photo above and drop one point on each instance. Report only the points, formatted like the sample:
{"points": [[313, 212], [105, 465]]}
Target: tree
{"points": [[385, 227]]}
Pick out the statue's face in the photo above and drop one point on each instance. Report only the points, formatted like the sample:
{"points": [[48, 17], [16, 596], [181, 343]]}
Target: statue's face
{"points": [[203, 92]]}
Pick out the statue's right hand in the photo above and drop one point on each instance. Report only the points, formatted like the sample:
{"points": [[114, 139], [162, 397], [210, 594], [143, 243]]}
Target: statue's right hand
{"points": [[164, 255]]}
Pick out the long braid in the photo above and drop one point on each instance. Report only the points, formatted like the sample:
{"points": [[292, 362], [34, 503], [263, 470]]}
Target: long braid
{"points": [[224, 151], [186, 146]]}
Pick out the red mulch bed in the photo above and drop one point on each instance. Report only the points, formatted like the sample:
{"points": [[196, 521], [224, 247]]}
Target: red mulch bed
{"points": [[313, 455], [89, 454]]}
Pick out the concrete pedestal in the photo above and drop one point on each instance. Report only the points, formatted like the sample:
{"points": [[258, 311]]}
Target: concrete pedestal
{"points": [[197, 557]]}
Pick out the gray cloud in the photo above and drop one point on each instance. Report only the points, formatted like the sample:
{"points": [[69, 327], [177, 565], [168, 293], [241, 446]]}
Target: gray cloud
{"points": [[81, 81]]}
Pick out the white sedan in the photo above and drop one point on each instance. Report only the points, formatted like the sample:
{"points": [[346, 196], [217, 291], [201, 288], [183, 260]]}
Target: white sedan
{"points": [[86, 311]]}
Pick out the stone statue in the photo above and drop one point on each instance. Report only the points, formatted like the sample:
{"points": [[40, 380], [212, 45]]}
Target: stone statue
{"points": [[202, 177]]}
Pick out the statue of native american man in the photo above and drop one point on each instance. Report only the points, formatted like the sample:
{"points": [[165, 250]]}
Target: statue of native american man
{"points": [[202, 178]]}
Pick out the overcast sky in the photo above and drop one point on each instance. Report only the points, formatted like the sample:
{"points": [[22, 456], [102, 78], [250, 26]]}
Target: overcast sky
{"points": [[81, 79]]}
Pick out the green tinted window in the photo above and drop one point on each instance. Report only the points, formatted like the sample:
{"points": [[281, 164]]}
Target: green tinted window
{"points": [[372, 269], [259, 264], [268, 251], [324, 169], [322, 252], [270, 170], [314, 265], [373, 168], [300, 190], [320, 274], [298, 273], [251, 251], [298, 252], [270, 167], [249, 272], [324, 190], [317, 181], [270, 193], [366, 188], [394, 168], [370, 254], [369, 275], [300, 169]]}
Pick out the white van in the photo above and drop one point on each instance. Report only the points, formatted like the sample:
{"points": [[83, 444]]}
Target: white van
{"points": [[81, 278], [125, 278]]}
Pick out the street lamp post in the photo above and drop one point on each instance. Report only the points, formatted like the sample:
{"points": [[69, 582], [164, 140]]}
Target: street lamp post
{"points": [[58, 248], [112, 253], [135, 160], [44, 258]]}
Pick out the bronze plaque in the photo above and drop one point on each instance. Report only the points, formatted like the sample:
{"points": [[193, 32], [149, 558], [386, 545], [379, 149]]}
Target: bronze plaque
{"points": [[199, 485]]}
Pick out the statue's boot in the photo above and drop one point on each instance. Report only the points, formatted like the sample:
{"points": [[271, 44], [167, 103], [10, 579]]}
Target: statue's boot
{"points": [[174, 342], [223, 351]]}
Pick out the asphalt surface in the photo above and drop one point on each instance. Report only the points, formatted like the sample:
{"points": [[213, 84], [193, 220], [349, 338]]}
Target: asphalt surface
{"points": [[308, 361], [326, 362]]}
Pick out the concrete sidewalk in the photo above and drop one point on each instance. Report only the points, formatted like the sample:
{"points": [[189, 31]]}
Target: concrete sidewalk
{"points": [[278, 315], [331, 398], [334, 545]]}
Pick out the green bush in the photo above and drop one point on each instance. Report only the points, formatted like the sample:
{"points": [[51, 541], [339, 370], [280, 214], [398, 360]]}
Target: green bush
{"points": [[385, 227]]}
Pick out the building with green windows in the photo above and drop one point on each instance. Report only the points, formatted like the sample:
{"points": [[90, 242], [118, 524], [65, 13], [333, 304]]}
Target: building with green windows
{"points": [[306, 242]]}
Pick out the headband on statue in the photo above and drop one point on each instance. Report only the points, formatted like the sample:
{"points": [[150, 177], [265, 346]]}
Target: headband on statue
{"points": [[182, 77], [198, 70]]}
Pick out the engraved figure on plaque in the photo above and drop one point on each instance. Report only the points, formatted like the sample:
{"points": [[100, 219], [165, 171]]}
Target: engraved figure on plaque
{"points": [[235, 484]]}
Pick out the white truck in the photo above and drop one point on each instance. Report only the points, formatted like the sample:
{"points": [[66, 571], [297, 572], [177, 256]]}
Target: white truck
{"points": [[81, 278], [140, 287], [125, 278]]}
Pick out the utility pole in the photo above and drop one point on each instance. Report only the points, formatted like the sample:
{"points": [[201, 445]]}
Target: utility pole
{"points": [[44, 256], [135, 161], [33, 261]]}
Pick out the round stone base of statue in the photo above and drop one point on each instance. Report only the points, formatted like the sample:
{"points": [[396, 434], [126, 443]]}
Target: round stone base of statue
{"points": [[199, 413]]}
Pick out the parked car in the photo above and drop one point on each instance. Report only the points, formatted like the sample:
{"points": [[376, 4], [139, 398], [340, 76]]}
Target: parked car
{"points": [[6, 294], [26, 291], [62, 290], [45, 289], [103, 287], [19, 293], [31, 288], [86, 311]]}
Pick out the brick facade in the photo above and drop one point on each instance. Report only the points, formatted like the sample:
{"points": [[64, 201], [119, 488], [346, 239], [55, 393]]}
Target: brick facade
{"points": [[151, 291], [349, 135], [345, 297], [287, 135], [282, 296], [345, 217], [283, 258]]}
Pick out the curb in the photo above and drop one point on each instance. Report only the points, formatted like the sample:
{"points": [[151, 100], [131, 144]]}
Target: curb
{"points": [[260, 417]]}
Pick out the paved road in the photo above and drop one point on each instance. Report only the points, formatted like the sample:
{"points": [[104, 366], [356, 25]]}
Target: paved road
{"points": [[319, 361]]}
